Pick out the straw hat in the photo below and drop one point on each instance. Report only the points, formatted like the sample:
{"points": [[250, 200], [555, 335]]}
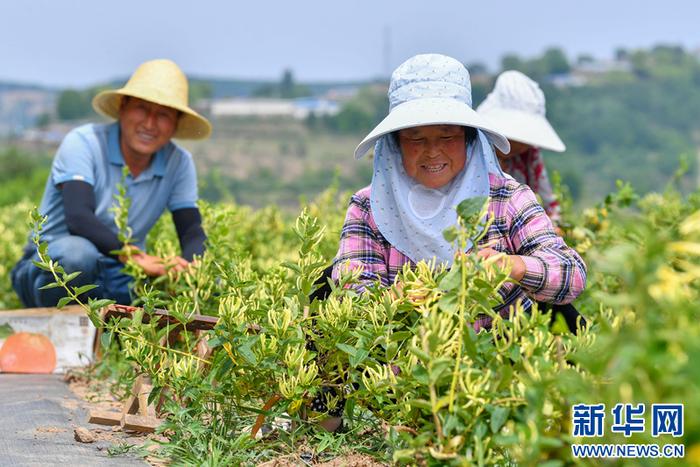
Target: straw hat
{"points": [[517, 107], [161, 82], [431, 89]]}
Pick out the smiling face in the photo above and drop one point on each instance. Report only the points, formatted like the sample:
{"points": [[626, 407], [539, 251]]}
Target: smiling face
{"points": [[145, 127], [434, 154]]}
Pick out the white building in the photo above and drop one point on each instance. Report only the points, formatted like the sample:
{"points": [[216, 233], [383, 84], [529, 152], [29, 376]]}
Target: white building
{"points": [[20, 108], [259, 107]]}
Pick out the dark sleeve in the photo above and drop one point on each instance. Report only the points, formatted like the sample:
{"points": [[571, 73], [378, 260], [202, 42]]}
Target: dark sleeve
{"points": [[79, 208], [188, 223]]}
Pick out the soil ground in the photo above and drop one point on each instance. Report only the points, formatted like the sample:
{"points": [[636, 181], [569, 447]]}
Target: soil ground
{"points": [[39, 414]]}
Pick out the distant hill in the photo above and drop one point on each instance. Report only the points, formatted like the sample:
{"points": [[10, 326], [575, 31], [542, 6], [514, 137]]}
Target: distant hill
{"points": [[629, 118], [233, 87], [16, 86]]}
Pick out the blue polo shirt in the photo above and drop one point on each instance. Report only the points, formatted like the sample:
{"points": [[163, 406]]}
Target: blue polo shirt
{"points": [[92, 154]]}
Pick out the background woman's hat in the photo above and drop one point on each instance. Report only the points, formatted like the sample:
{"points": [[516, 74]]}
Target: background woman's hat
{"points": [[517, 107], [161, 82], [431, 89]]}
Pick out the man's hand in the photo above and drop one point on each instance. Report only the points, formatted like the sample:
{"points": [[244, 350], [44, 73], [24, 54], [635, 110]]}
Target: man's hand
{"points": [[177, 263], [517, 265], [154, 266]]}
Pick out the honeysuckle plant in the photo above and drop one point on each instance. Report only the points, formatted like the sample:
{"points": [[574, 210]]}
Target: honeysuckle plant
{"points": [[405, 362]]}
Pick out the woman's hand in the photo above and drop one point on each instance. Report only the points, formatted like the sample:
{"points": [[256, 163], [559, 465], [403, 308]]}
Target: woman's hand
{"points": [[516, 263]]}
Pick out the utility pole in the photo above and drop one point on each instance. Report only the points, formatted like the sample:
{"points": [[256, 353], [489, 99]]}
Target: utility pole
{"points": [[697, 169]]}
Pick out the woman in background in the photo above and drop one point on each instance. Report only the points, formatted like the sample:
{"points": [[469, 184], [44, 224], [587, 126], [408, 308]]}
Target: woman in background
{"points": [[516, 107]]}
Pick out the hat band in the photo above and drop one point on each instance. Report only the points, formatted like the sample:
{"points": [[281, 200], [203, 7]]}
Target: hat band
{"points": [[427, 90]]}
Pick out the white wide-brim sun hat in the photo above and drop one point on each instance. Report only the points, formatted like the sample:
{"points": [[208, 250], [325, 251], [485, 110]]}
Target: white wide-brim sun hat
{"points": [[526, 128], [516, 106], [431, 89]]}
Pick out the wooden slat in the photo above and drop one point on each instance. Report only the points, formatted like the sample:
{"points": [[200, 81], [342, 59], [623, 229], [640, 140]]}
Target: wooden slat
{"points": [[140, 424], [196, 322], [105, 417]]}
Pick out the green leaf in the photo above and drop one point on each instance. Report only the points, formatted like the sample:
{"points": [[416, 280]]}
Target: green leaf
{"points": [[58, 268], [405, 455], [83, 288], [438, 368], [42, 266], [246, 350], [469, 341], [452, 279], [450, 234], [421, 404], [391, 349], [137, 317], [448, 303], [480, 430], [106, 339], [293, 266], [514, 353], [359, 357], [550, 442], [452, 424], [421, 375], [214, 342], [52, 285], [470, 208], [506, 377], [422, 356], [69, 277], [506, 440], [64, 301], [560, 326], [400, 336], [101, 303], [154, 396], [444, 401], [498, 418], [348, 349]]}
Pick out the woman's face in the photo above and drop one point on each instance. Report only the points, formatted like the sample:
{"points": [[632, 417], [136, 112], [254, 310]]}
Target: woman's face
{"points": [[434, 154]]}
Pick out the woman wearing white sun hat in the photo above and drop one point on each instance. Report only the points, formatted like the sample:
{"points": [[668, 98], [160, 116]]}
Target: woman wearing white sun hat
{"points": [[516, 106], [431, 152]]}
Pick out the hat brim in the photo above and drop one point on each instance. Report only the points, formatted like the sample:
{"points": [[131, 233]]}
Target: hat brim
{"points": [[432, 111], [191, 125], [525, 128]]}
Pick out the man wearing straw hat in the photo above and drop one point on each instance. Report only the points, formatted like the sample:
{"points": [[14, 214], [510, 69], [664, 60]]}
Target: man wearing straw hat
{"points": [[150, 110]]}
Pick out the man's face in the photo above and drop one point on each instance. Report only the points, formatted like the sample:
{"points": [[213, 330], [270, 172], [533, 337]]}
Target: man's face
{"points": [[433, 155], [145, 127]]}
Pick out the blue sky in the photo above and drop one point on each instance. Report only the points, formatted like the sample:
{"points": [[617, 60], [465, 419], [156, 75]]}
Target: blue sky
{"points": [[77, 43]]}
